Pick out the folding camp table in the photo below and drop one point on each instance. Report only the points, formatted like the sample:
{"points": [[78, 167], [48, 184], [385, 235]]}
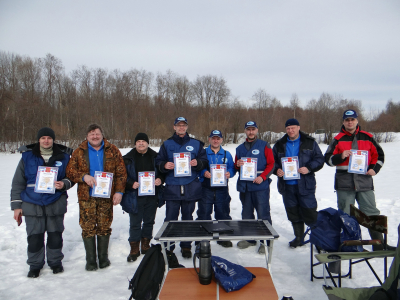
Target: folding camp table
{"points": [[173, 231]]}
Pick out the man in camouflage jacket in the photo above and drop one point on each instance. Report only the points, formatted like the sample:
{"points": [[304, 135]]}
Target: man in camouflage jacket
{"points": [[95, 213]]}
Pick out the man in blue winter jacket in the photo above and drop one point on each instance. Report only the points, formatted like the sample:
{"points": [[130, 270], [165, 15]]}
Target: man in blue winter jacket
{"points": [[181, 193], [298, 194], [217, 196], [255, 194], [43, 212]]}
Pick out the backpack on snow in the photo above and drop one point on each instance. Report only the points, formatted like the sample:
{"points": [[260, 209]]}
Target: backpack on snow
{"points": [[146, 282]]}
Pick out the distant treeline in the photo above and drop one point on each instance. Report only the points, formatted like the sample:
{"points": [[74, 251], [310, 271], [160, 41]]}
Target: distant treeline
{"points": [[36, 92]]}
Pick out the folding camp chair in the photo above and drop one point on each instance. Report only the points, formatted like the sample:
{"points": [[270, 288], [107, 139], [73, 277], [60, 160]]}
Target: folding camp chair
{"points": [[338, 293], [375, 223]]}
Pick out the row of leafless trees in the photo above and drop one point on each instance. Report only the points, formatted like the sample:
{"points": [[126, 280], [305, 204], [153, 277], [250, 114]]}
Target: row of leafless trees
{"points": [[36, 92]]}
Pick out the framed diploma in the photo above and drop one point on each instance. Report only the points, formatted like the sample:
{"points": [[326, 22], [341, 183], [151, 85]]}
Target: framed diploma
{"points": [[147, 184], [103, 184], [290, 166], [182, 164], [358, 162], [218, 177], [249, 170], [46, 178]]}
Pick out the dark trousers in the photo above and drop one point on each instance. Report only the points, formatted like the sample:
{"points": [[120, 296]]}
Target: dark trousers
{"points": [[36, 226], [141, 223], [172, 213], [219, 199], [299, 208], [258, 200]]}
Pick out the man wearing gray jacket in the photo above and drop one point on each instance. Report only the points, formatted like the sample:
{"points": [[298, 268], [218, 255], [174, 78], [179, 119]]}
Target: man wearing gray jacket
{"points": [[43, 211]]}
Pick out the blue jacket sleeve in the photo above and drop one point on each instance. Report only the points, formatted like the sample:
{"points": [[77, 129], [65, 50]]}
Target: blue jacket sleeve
{"points": [[162, 159], [202, 160], [318, 160], [230, 164]]}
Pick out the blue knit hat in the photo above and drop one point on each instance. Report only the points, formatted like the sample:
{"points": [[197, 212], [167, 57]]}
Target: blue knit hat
{"points": [[292, 122]]}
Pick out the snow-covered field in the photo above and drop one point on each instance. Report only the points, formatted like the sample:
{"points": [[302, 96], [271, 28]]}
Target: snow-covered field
{"points": [[290, 267]]}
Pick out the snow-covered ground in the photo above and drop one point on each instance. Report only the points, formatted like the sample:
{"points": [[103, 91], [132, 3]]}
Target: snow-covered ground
{"points": [[290, 267]]}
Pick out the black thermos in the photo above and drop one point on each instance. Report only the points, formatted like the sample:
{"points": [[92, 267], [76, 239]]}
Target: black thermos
{"points": [[203, 253]]}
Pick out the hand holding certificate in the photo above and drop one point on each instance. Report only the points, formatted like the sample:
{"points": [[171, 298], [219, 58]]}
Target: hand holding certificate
{"points": [[182, 164], [248, 171], [45, 180], [290, 167], [358, 162], [147, 183], [103, 185], [218, 177]]}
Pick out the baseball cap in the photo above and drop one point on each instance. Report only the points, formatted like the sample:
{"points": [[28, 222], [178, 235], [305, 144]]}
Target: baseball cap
{"points": [[180, 119], [350, 114], [250, 124], [216, 133], [292, 122]]}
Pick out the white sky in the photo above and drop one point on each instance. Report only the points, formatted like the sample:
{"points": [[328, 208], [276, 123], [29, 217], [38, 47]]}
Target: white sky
{"points": [[348, 48]]}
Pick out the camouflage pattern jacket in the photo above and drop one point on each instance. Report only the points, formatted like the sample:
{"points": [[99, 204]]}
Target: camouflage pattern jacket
{"points": [[113, 162]]}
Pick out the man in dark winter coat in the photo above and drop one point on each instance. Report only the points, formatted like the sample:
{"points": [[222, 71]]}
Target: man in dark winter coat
{"points": [[254, 194], [350, 186], [181, 193], [141, 209], [43, 212], [96, 154], [298, 194]]}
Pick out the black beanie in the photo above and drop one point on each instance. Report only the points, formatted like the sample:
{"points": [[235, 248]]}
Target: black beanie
{"points": [[46, 131], [142, 137]]}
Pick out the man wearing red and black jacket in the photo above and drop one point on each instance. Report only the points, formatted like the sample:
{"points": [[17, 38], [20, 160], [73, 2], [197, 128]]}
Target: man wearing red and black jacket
{"points": [[255, 194], [350, 186]]}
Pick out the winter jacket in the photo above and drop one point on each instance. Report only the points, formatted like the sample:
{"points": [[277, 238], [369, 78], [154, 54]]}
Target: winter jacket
{"points": [[221, 157], [182, 188], [130, 197], [310, 156], [265, 164], [23, 195], [359, 140], [113, 162]]}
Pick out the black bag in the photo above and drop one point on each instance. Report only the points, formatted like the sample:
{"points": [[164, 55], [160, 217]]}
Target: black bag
{"points": [[146, 282]]}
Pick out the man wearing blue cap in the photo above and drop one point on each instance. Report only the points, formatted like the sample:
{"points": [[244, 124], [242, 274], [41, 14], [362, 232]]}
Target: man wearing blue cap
{"points": [[255, 194], [298, 194], [181, 193], [350, 186], [216, 196]]}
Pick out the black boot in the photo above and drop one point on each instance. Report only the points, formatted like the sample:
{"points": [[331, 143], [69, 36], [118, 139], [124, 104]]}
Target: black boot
{"points": [[91, 259], [298, 229], [102, 250], [376, 235]]}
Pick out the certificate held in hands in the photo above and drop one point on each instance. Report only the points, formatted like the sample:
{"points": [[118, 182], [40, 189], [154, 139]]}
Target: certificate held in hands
{"points": [[182, 164], [249, 170], [218, 177], [46, 180], [147, 183], [290, 168], [358, 162], [103, 184]]}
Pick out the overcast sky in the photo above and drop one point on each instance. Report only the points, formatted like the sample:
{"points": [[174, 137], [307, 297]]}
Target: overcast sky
{"points": [[347, 48]]}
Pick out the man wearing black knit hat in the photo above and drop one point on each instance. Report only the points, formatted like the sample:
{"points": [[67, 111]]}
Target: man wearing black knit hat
{"points": [[298, 193], [44, 212], [141, 209]]}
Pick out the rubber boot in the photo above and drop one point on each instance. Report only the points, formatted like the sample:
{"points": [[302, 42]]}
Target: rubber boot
{"points": [[90, 248], [135, 253], [102, 249], [376, 235], [298, 229]]}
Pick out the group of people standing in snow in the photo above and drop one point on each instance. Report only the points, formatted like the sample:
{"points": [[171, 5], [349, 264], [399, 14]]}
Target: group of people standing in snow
{"points": [[97, 157]]}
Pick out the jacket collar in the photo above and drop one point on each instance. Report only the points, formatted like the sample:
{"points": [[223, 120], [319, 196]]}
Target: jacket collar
{"points": [[210, 151]]}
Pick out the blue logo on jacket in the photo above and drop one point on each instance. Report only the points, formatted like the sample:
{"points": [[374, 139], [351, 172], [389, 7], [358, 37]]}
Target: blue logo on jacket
{"points": [[189, 148], [255, 151], [58, 163]]}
